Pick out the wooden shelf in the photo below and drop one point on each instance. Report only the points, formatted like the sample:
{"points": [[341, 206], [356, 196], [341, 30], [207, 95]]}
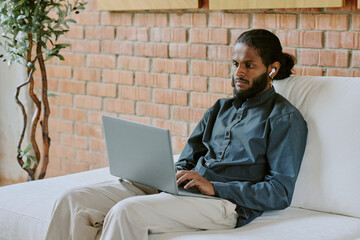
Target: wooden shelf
{"points": [[129, 5], [272, 4]]}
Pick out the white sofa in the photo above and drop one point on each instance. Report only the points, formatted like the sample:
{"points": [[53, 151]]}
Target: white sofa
{"points": [[326, 203]]}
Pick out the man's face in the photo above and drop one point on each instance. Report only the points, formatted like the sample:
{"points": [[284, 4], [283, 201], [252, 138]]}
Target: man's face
{"points": [[249, 74]]}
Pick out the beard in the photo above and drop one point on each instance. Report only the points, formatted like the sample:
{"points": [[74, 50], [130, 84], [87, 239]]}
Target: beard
{"points": [[259, 84]]}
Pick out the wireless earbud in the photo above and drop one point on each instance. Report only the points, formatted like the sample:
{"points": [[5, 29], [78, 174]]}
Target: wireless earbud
{"points": [[272, 71]]}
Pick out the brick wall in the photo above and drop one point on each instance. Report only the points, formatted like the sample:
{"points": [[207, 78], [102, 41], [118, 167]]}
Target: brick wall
{"points": [[166, 68]]}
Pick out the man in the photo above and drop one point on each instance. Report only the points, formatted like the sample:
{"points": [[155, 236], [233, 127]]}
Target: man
{"points": [[246, 151]]}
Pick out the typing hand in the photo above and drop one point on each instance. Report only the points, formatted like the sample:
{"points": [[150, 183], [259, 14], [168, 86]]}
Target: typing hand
{"points": [[195, 180]]}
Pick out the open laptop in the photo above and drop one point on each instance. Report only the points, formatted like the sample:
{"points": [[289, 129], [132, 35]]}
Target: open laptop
{"points": [[142, 153]]}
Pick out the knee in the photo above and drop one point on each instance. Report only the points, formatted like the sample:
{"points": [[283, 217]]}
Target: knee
{"points": [[128, 209]]}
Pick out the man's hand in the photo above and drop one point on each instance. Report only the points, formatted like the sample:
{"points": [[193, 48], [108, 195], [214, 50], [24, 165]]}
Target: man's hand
{"points": [[195, 180]]}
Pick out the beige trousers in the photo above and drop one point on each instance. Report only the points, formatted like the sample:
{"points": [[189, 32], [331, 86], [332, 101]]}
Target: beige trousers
{"points": [[120, 210]]}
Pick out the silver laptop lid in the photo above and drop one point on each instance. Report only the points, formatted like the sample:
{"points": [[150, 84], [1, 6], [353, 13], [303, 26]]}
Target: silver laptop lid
{"points": [[140, 153]]}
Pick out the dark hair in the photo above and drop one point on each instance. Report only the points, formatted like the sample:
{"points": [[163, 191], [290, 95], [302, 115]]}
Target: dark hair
{"points": [[269, 48]]}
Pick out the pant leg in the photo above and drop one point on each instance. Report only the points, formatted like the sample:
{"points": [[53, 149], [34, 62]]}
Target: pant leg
{"points": [[79, 213], [136, 217]]}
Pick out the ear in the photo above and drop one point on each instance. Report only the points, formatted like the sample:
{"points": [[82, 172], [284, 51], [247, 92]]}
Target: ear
{"points": [[273, 69]]}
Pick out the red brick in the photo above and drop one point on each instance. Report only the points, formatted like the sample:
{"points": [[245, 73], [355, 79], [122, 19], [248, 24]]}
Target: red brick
{"points": [[176, 128], [134, 63], [73, 114], [75, 32], [153, 110], [116, 19], [117, 47], [72, 87], [90, 157], [356, 22], [74, 141], [212, 69], [152, 50], [188, 19], [120, 77], [62, 99], [58, 71], [194, 51], [74, 167], [326, 58], [88, 102], [102, 90], [343, 72], [87, 74], [356, 59], [324, 21], [87, 18], [300, 38], [88, 130], [170, 66], [133, 34], [151, 19], [95, 116], [135, 93], [91, 5], [220, 53], [205, 100], [134, 118], [308, 71], [100, 33], [189, 83], [178, 143], [350, 40], [212, 36], [152, 80], [188, 114], [168, 35], [221, 85], [101, 61], [235, 34], [97, 145], [120, 106], [170, 97], [275, 21], [73, 59], [61, 125], [229, 20], [86, 46], [62, 152]]}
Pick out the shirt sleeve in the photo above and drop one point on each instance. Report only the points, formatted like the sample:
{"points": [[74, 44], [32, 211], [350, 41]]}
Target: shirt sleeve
{"points": [[194, 148], [286, 146]]}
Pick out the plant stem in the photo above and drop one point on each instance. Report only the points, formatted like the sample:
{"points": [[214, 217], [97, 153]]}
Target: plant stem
{"points": [[45, 120]]}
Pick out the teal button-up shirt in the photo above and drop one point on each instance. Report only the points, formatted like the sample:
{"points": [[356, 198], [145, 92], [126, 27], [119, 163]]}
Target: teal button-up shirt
{"points": [[251, 151]]}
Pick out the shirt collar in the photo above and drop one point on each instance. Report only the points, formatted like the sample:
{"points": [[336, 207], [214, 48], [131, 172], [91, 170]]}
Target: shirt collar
{"points": [[256, 100]]}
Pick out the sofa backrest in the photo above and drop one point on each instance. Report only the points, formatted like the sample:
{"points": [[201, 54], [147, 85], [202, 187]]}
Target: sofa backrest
{"points": [[329, 178]]}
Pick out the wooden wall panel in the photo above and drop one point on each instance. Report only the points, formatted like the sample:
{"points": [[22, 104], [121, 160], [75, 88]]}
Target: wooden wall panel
{"points": [[272, 4], [127, 5]]}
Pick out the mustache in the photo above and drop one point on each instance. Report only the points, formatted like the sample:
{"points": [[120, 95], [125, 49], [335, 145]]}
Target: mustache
{"points": [[237, 79]]}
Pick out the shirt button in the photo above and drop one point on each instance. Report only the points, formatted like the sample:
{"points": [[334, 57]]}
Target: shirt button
{"points": [[238, 117], [227, 134], [221, 153], [207, 164]]}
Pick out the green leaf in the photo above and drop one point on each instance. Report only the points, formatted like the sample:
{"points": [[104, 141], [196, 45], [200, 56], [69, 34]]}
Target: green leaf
{"points": [[21, 17], [27, 149], [52, 95], [33, 158], [61, 57], [27, 163]]}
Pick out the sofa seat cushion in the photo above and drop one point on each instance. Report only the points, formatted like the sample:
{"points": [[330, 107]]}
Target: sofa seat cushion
{"points": [[292, 223], [25, 211]]}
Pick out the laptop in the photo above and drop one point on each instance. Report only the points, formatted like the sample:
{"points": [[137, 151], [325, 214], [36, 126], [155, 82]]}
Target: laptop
{"points": [[142, 153]]}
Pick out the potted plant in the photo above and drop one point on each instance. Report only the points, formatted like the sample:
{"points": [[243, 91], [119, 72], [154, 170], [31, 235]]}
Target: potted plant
{"points": [[31, 30]]}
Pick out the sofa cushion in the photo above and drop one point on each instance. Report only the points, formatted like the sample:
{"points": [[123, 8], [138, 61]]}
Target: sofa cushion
{"points": [[329, 177]]}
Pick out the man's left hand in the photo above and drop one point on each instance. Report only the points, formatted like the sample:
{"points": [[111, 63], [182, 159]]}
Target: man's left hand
{"points": [[195, 180]]}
